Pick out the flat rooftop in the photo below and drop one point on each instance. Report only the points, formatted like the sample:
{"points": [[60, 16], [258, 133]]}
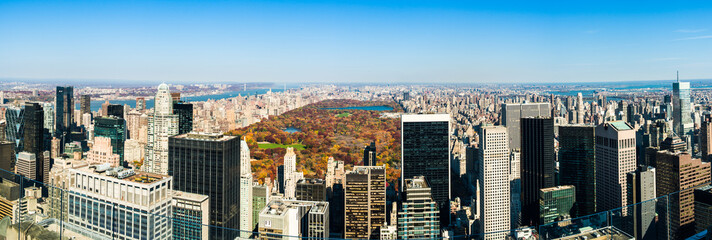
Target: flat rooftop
{"points": [[205, 136], [425, 117], [193, 197], [121, 173], [607, 233]]}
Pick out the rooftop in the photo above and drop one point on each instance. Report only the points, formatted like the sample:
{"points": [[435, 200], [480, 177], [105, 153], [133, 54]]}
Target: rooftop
{"points": [[620, 125], [205, 136], [551, 189], [311, 180], [193, 197], [121, 173], [425, 117], [607, 233]]}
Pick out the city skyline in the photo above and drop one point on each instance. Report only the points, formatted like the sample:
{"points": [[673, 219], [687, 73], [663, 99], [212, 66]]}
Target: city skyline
{"points": [[345, 42]]}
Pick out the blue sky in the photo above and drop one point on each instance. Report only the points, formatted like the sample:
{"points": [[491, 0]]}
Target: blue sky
{"points": [[356, 41]]}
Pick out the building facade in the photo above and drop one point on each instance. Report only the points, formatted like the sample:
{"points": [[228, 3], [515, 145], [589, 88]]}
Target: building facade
{"points": [[113, 128], [493, 178], [538, 164], [615, 157], [364, 202], [577, 165], [641, 195], [556, 203], [418, 217], [191, 216], [512, 113], [161, 125]]}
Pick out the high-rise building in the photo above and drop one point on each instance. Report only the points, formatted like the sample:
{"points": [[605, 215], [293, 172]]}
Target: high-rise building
{"points": [[245, 191], [369, 155], [493, 178], [679, 172], [26, 165], [293, 219], [311, 189], [538, 164], [425, 145], [126, 205], [579, 109], [140, 104], [418, 215], [85, 104], [515, 186], [102, 153], [206, 164], [556, 203], [161, 125], [577, 165], [682, 121], [705, 138], [364, 202], [615, 157], [7, 157], [115, 110], [3, 127], [260, 197], [703, 208], [14, 130], [512, 113], [641, 195], [191, 216], [33, 137], [64, 110], [113, 128], [48, 118], [290, 173], [185, 116]]}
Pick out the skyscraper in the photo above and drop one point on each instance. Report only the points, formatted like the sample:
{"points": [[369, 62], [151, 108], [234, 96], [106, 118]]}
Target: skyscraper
{"points": [[26, 165], [577, 165], [703, 208], [64, 110], [615, 157], [493, 168], [33, 136], [290, 169], [14, 130], [512, 113], [140, 104], [538, 164], [246, 225], [115, 110], [209, 164], [425, 150], [678, 171], [681, 108], [706, 138], [191, 216], [311, 189], [418, 213], [579, 108], [113, 128], [515, 186], [369, 155], [85, 104], [185, 116], [364, 202], [641, 192], [161, 125], [556, 203]]}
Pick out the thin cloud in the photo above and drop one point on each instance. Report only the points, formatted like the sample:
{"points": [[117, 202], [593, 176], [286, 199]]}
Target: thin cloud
{"points": [[690, 30], [665, 59], [693, 38]]}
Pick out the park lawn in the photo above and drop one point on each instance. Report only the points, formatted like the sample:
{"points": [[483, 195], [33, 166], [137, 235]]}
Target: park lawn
{"points": [[274, 145], [346, 114]]}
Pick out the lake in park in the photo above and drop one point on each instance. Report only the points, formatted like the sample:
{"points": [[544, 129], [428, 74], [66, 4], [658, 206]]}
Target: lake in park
{"points": [[292, 130], [369, 108]]}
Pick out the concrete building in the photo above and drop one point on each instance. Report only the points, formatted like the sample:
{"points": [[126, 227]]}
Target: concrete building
{"points": [[26, 164], [293, 219], [494, 192], [260, 198], [101, 152], [678, 173], [515, 183], [191, 215], [161, 125], [364, 202], [512, 113], [290, 170], [641, 195], [246, 200], [703, 208], [615, 157], [418, 214], [120, 203]]}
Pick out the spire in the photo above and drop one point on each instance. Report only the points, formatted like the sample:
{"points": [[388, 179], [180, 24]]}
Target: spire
{"points": [[678, 76]]}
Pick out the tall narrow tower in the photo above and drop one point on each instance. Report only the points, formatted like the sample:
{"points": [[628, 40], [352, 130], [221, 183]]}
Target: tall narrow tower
{"points": [[682, 121], [246, 225], [494, 198], [161, 125]]}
